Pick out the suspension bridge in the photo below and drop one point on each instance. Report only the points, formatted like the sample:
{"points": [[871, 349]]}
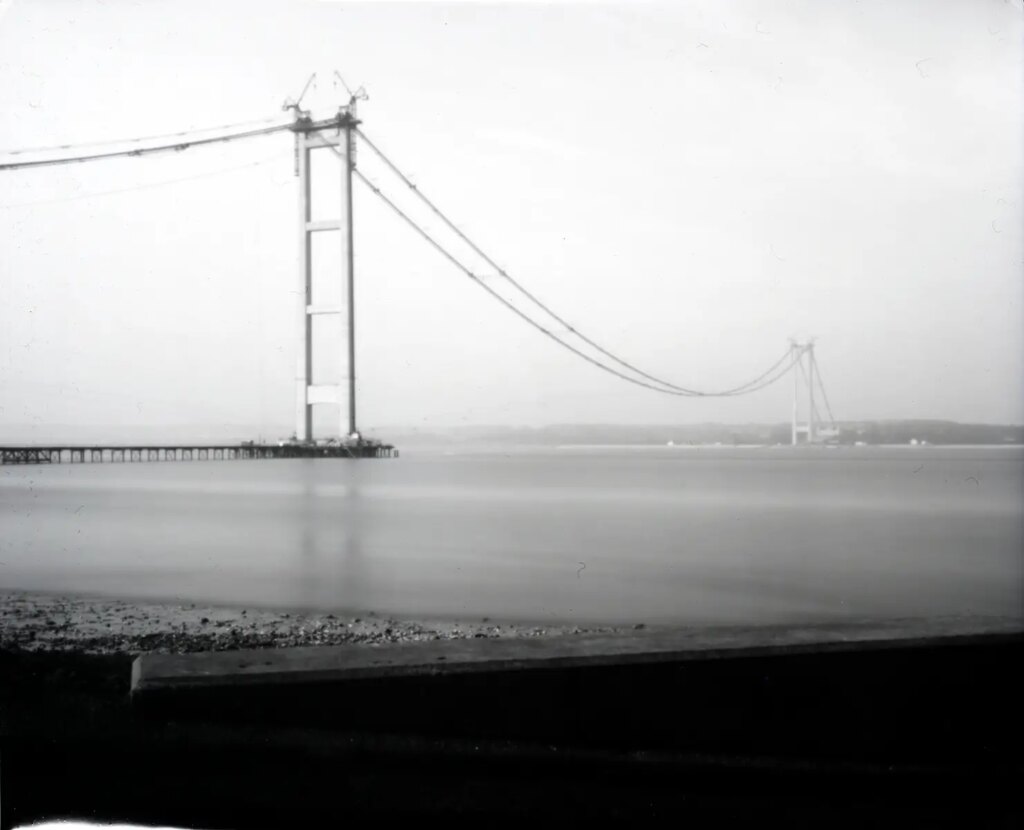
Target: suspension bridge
{"points": [[339, 135]]}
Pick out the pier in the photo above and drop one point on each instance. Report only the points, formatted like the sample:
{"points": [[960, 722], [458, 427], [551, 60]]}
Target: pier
{"points": [[97, 454]]}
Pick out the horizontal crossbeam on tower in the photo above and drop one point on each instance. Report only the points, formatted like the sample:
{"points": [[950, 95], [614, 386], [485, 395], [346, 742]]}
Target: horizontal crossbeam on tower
{"points": [[335, 133]]}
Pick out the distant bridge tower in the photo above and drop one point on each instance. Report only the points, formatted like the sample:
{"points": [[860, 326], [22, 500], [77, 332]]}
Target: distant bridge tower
{"points": [[807, 376], [337, 134]]}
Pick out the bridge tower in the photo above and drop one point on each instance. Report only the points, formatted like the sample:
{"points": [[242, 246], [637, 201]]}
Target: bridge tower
{"points": [[337, 135], [806, 376]]}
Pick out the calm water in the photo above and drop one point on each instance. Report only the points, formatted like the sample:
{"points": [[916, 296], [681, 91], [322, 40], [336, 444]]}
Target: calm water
{"points": [[595, 535]]}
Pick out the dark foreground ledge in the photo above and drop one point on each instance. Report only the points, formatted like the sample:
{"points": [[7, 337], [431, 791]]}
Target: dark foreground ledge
{"points": [[864, 692], [909, 723], [162, 674]]}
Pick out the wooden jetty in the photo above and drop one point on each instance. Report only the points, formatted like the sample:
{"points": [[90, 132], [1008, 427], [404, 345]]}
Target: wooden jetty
{"points": [[114, 453]]}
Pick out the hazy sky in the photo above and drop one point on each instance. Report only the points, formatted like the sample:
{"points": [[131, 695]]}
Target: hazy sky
{"points": [[691, 184]]}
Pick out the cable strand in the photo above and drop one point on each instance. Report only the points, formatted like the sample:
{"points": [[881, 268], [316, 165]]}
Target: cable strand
{"points": [[112, 141], [143, 151], [148, 185], [523, 290], [824, 394], [517, 311]]}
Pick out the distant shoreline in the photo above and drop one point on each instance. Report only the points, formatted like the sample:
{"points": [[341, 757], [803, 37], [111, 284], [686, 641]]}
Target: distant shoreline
{"points": [[874, 432], [782, 446]]}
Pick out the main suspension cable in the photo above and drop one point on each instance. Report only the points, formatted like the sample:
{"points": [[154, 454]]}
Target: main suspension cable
{"points": [[821, 386], [525, 317], [177, 146], [146, 185], [743, 388], [111, 141]]}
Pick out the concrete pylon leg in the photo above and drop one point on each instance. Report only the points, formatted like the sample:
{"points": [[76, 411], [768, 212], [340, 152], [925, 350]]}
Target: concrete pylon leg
{"points": [[337, 135]]}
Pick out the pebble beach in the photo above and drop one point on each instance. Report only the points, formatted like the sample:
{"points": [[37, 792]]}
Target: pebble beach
{"points": [[38, 622]]}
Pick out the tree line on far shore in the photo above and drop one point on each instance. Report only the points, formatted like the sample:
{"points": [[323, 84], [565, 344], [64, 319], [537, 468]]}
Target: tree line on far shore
{"points": [[848, 433]]}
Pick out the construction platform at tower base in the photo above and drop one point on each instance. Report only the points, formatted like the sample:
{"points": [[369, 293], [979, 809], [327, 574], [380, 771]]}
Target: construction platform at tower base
{"points": [[113, 453]]}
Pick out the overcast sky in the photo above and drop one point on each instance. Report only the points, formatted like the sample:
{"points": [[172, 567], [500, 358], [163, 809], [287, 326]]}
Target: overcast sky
{"points": [[691, 184]]}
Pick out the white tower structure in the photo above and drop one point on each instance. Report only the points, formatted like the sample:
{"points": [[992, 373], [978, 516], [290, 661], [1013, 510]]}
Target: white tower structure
{"points": [[806, 377], [336, 135]]}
